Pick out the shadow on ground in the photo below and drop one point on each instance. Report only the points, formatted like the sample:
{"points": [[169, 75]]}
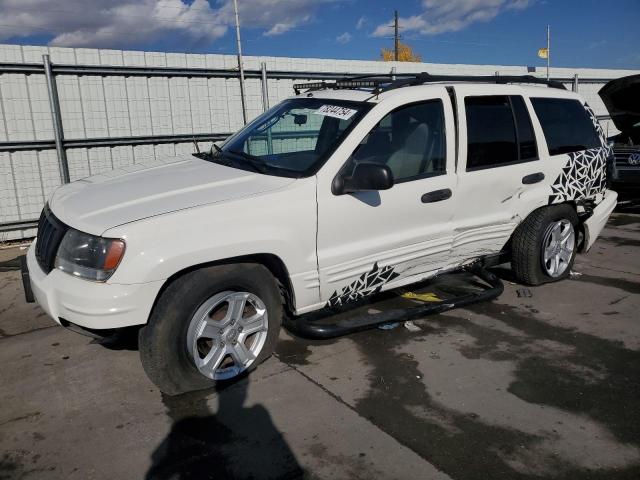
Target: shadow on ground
{"points": [[233, 441]]}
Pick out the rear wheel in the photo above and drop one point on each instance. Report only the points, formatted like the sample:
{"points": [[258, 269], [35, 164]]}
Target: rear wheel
{"points": [[544, 246], [210, 325]]}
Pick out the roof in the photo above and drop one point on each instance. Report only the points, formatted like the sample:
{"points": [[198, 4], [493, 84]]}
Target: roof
{"points": [[361, 88]]}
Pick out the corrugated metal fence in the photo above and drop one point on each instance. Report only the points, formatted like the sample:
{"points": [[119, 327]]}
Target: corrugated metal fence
{"points": [[95, 110]]}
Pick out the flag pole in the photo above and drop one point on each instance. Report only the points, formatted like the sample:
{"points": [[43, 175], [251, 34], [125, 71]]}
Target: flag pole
{"points": [[548, 50]]}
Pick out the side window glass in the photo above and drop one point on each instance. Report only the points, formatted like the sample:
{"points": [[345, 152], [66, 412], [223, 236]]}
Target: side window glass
{"points": [[566, 125], [491, 132], [410, 140], [524, 129]]}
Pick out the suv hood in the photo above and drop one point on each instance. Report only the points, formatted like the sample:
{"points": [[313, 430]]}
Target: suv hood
{"points": [[95, 204], [622, 99]]}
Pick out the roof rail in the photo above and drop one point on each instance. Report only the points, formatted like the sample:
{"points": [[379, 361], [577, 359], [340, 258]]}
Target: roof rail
{"points": [[384, 82]]}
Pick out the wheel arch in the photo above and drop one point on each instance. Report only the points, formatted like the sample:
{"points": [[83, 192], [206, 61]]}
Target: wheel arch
{"points": [[270, 261], [506, 250]]}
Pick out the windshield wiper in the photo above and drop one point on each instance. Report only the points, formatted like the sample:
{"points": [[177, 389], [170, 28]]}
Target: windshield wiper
{"points": [[257, 164]]}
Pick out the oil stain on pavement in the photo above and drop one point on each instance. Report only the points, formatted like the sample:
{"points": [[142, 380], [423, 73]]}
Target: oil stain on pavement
{"points": [[495, 392]]}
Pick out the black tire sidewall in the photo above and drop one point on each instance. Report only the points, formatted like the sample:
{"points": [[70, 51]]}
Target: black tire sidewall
{"points": [[555, 214], [163, 341]]}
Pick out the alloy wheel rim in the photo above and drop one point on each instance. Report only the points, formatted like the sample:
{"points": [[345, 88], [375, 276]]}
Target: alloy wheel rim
{"points": [[227, 333], [557, 247]]}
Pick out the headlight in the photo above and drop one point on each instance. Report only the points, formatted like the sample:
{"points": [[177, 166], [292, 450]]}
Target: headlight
{"points": [[88, 256]]}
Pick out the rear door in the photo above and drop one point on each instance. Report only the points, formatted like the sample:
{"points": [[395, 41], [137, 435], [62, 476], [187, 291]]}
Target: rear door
{"points": [[500, 172]]}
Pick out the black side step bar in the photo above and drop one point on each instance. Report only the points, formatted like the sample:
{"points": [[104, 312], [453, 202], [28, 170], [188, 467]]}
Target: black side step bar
{"points": [[314, 329]]}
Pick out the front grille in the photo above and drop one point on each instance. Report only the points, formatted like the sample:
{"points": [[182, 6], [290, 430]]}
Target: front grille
{"points": [[50, 233], [622, 154]]}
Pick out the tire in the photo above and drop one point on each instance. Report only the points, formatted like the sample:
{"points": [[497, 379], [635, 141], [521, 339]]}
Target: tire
{"points": [[528, 245], [168, 344]]}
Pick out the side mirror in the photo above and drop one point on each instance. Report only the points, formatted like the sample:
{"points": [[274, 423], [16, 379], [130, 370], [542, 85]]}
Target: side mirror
{"points": [[299, 119], [366, 177]]}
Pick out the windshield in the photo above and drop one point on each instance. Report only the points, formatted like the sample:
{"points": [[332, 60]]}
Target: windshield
{"points": [[293, 138]]}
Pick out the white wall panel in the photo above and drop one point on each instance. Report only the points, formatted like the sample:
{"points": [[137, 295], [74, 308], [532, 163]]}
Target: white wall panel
{"points": [[179, 96], [30, 195], [40, 107], [100, 160], [160, 106], [9, 211], [94, 106], [115, 97], [78, 161], [16, 109]]}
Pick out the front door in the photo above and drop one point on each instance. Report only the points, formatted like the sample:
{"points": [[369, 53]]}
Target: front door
{"points": [[371, 241]]}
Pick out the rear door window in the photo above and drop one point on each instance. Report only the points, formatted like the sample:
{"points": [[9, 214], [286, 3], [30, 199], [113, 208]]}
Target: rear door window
{"points": [[526, 137], [499, 132], [566, 124]]}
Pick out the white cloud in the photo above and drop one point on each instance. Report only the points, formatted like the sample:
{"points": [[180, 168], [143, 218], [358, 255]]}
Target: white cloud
{"points": [[361, 22], [111, 23], [129, 23], [441, 16], [344, 38]]}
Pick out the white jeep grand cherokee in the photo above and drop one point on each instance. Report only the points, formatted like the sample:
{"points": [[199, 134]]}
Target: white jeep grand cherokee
{"points": [[344, 190]]}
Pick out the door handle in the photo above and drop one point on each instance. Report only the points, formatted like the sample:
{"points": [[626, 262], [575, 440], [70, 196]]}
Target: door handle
{"points": [[532, 178], [436, 196]]}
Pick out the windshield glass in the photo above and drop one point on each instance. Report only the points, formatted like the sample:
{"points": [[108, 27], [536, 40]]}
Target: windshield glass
{"points": [[293, 138]]}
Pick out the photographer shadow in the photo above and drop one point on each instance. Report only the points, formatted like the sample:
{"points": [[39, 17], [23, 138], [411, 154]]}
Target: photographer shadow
{"points": [[234, 442]]}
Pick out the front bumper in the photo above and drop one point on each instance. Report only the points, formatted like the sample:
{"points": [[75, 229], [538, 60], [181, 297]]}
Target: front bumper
{"points": [[626, 175], [92, 305]]}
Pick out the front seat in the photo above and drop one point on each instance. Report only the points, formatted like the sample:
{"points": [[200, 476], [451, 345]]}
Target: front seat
{"points": [[407, 160]]}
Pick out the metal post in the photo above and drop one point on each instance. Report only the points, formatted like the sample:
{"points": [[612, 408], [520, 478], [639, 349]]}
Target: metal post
{"points": [[548, 49], [58, 133], [393, 74], [240, 67], [265, 90], [396, 37], [265, 103], [575, 83]]}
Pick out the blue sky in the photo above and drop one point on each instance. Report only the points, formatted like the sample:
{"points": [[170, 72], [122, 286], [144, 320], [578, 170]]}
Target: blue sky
{"points": [[587, 33]]}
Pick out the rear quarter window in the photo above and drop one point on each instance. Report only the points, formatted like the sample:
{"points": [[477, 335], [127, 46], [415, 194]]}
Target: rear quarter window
{"points": [[566, 124]]}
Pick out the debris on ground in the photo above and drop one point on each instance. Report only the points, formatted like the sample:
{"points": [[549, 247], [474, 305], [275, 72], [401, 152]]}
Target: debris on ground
{"points": [[573, 274], [412, 327], [388, 326], [423, 297], [524, 293]]}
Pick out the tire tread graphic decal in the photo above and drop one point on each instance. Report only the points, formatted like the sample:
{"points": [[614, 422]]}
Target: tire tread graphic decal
{"points": [[368, 283], [584, 174]]}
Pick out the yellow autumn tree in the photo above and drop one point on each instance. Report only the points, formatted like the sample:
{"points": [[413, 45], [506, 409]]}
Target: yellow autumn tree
{"points": [[405, 54]]}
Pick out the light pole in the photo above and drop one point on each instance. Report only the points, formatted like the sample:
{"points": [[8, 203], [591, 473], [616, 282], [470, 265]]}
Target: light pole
{"points": [[240, 67]]}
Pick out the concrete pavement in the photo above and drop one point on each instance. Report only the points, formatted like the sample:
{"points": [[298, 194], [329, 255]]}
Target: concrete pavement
{"points": [[542, 382]]}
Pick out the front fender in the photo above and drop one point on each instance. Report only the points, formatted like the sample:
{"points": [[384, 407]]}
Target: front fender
{"points": [[281, 223]]}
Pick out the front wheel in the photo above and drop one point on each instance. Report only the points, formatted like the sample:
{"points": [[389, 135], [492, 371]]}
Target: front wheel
{"points": [[209, 325], [544, 246]]}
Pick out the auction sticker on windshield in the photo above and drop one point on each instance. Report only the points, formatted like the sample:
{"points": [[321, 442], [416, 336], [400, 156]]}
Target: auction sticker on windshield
{"points": [[335, 111]]}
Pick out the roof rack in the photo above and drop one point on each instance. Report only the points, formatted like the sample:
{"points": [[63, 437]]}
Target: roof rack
{"points": [[384, 82]]}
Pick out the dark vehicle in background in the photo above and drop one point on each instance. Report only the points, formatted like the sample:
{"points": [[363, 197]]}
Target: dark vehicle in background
{"points": [[622, 99]]}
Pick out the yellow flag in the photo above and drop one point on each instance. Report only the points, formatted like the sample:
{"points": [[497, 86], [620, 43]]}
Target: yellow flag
{"points": [[543, 52]]}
